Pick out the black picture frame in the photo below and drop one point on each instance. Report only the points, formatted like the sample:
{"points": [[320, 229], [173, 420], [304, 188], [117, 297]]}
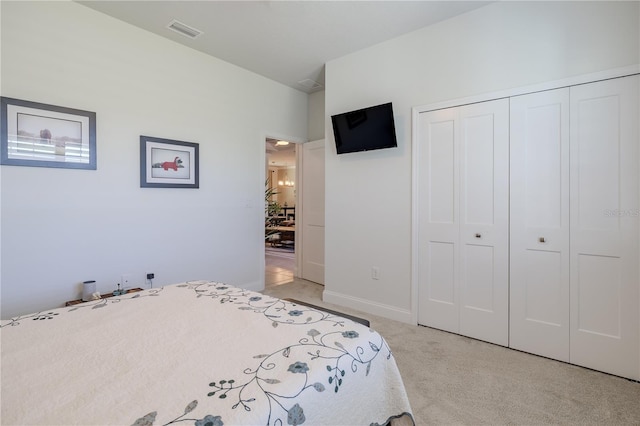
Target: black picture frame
{"points": [[167, 163], [42, 135]]}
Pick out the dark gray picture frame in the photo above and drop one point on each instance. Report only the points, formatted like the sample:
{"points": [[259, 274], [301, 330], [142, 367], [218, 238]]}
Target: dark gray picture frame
{"points": [[168, 163], [42, 135]]}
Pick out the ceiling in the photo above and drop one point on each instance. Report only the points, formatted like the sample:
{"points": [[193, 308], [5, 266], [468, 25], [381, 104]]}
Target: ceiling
{"points": [[280, 156], [285, 41]]}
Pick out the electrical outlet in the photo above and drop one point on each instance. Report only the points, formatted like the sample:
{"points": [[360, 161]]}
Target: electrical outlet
{"points": [[126, 281], [148, 283], [375, 273]]}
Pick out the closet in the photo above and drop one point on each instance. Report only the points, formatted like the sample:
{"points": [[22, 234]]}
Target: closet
{"points": [[571, 217], [539, 223], [464, 220]]}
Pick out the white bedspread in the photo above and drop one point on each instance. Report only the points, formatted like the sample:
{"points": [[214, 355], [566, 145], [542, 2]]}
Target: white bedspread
{"points": [[198, 353]]}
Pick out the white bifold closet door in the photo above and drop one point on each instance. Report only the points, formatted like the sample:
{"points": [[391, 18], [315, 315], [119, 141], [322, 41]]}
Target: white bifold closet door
{"points": [[539, 245], [574, 248], [463, 205], [604, 294]]}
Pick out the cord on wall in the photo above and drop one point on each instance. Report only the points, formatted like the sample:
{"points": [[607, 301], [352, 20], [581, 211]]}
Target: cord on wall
{"points": [[150, 277]]}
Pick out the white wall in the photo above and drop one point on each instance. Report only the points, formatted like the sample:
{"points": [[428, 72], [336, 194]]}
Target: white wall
{"points": [[497, 47], [316, 116], [60, 227]]}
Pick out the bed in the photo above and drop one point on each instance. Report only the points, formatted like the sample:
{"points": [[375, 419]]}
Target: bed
{"points": [[198, 352]]}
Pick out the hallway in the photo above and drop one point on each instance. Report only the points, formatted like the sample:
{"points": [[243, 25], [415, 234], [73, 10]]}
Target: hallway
{"points": [[279, 266]]}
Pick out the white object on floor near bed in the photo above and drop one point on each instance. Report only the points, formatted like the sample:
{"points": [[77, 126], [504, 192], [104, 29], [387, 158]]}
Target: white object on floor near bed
{"points": [[198, 352]]}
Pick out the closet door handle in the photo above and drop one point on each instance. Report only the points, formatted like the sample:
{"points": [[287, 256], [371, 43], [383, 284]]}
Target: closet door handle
{"points": [[542, 240], [478, 235]]}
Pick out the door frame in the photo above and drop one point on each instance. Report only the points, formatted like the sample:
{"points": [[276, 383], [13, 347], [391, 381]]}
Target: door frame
{"points": [[263, 156]]}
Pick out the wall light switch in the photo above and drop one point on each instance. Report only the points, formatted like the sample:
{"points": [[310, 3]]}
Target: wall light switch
{"points": [[375, 273]]}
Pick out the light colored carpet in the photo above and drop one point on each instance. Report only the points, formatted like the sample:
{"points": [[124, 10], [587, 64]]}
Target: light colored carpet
{"points": [[454, 380]]}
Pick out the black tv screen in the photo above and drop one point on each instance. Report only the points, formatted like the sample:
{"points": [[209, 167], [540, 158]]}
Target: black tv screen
{"points": [[365, 129]]}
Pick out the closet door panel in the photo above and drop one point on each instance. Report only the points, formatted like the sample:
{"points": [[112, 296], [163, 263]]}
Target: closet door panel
{"points": [[478, 152], [600, 296], [438, 232], [484, 220], [544, 304], [438, 294], [479, 293], [441, 172], [605, 300], [597, 178], [440, 272], [539, 236]]}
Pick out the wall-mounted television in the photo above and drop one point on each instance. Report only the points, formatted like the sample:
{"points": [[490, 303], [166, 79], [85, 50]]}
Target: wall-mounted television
{"points": [[365, 129]]}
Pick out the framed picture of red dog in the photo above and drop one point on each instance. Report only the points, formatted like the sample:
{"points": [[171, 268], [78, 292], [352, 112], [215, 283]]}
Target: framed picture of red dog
{"points": [[42, 135], [166, 163]]}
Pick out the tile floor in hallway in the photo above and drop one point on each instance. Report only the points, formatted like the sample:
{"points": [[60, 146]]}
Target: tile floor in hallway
{"points": [[279, 267]]}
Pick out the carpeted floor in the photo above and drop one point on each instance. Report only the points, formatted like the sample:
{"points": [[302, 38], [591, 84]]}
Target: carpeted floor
{"points": [[454, 380]]}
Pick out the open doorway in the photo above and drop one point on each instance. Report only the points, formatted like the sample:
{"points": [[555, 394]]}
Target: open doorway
{"points": [[280, 212]]}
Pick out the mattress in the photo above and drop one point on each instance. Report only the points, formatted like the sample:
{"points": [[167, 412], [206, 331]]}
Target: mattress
{"points": [[199, 352]]}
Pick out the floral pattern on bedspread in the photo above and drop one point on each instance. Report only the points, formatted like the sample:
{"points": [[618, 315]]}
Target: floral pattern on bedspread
{"points": [[94, 304], [340, 358], [277, 386]]}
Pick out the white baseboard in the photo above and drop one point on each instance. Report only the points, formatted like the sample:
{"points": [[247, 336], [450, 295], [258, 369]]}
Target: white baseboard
{"points": [[379, 309]]}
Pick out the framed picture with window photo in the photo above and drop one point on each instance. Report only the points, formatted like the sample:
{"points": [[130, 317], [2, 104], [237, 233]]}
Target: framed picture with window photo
{"points": [[42, 135]]}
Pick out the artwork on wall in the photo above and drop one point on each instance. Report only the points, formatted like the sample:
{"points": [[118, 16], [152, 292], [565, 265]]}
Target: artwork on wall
{"points": [[41, 135], [166, 163]]}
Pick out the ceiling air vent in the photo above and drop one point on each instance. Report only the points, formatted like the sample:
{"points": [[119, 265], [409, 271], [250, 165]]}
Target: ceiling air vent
{"points": [[309, 84], [184, 29]]}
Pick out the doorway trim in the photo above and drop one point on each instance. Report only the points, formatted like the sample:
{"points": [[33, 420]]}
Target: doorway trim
{"points": [[263, 156]]}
